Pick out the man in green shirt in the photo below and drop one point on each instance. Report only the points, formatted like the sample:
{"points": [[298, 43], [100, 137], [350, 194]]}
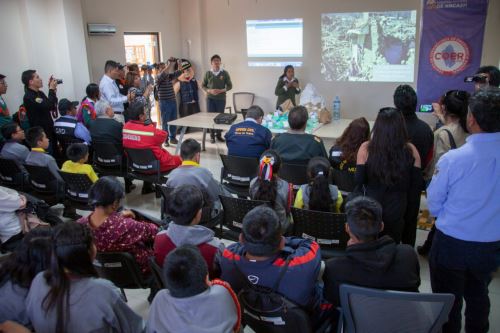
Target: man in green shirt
{"points": [[5, 117], [296, 146], [215, 83]]}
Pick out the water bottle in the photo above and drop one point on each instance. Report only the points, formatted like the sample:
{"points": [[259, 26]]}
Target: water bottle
{"points": [[336, 108]]}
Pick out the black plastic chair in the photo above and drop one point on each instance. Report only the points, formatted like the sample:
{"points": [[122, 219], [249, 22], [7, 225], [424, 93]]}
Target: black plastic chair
{"points": [[11, 175], [143, 165], [44, 184], [121, 269], [374, 310], [237, 172], [77, 189], [234, 210], [108, 159], [294, 173], [157, 273], [327, 229]]}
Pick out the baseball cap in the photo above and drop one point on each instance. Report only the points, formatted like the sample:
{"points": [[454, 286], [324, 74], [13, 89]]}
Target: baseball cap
{"points": [[65, 104], [185, 64]]}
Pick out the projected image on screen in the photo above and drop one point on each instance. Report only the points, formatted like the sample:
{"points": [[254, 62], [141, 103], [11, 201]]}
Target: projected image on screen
{"points": [[274, 38], [371, 46]]}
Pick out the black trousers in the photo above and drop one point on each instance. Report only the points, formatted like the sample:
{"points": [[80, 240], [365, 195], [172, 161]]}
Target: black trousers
{"points": [[216, 105], [464, 269]]}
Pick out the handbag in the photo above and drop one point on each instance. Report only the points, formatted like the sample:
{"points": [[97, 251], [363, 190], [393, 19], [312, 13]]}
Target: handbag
{"points": [[28, 218]]}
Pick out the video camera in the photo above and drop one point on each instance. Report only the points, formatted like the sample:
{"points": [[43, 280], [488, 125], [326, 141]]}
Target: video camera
{"points": [[477, 78]]}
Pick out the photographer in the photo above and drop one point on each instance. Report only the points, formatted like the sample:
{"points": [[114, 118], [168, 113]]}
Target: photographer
{"points": [[38, 105], [484, 77]]}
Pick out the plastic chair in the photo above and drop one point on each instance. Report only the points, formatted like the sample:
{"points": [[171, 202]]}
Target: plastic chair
{"points": [[11, 175], [294, 173], [157, 273], [143, 165], [327, 229], [242, 100], [234, 210], [44, 184], [108, 159], [237, 172], [121, 269], [384, 311], [77, 189]]}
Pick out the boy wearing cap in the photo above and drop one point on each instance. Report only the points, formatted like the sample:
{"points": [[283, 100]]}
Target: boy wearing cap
{"points": [[370, 261], [67, 125]]}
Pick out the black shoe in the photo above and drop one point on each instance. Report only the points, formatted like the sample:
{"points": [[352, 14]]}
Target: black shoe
{"points": [[174, 141], [212, 140], [129, 186], [146, 189], [71, 215], [220, 139], [423, 250], [166, 143]]}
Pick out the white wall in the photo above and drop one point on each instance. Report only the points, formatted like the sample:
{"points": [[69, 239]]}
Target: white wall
{"points": [[45, 35], [218, 26]]}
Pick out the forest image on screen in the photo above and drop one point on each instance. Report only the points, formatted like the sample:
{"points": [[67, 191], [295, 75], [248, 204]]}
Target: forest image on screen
{"points": [[370, 46]]}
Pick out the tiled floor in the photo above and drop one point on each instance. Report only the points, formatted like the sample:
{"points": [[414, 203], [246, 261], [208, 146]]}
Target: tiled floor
{"points": [[210, 159]]}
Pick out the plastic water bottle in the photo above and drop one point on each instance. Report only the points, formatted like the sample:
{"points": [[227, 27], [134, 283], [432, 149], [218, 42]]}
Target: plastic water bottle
{"points": [[336, 108]]}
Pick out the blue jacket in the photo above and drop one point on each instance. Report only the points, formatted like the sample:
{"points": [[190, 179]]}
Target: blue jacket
{"points": [[248, 139], [299, 282]]}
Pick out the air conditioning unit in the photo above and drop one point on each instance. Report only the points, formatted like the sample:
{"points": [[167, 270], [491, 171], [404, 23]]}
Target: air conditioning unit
{"points": [[101, 29]]}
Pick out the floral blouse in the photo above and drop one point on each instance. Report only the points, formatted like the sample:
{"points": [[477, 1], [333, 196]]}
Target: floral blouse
{"points": [[125, 234]]}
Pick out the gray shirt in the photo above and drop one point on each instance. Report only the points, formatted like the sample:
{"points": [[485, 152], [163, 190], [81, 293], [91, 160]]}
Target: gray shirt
{"points": [[15, 151], [44, 160], [281, 201], [95, 306], [12, 305]]}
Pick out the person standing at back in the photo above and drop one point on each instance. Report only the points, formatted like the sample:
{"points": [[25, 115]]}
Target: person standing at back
{"points": [[110, 91], [216, 83], [287, 86], [5, 117]]}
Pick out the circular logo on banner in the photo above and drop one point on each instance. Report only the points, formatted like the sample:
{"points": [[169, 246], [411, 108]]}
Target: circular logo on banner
{"points": [[449, 56]]}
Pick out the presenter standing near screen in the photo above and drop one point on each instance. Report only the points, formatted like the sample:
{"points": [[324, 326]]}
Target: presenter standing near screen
{"points": [[215, 83], [287, 87]]}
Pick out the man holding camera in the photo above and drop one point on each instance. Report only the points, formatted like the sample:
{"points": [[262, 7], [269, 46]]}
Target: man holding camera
{"points": [[110, 91], [38, 105], [486, 76]]}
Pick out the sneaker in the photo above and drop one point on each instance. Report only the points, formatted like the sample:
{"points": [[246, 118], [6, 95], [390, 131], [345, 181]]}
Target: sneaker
{"points": [[212, 140], [174, 141], [166, 144], [147, 189]]}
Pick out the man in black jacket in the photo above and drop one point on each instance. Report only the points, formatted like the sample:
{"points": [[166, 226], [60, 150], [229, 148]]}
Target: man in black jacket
{"points": [[370, 261]]}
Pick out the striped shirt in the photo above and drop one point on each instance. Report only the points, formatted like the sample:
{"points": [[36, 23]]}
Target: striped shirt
{"points": [[165, 86]]}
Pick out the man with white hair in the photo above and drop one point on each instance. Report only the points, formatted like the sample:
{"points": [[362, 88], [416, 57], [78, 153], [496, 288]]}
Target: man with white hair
{"points": [[105, 128]]}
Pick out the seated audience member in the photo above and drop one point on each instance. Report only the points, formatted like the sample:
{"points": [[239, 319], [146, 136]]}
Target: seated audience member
{"points": [[191, 302], [370, 261], [318, 194], [13, 149], [10, 228], [67, 126], [262, 252], [296, 146], [31, 257], [39, 143], [249, 138], [268, 186], [419, 132], [5, 117], [78, 154], [184, 207], [86, 112], [116, 231], [190, 172], [139, 133], [21, 118], [343, 154], [69, 296], [105, 128]]}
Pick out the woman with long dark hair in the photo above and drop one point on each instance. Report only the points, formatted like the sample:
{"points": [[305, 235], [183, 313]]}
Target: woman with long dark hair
{"points": [[318, 194], [388, 169], [31, 257], [287, 86], [343, 154], [69, 297], [268, 186]]}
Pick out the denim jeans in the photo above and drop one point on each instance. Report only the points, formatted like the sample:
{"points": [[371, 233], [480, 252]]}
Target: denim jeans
{"points": [[168, 110]]}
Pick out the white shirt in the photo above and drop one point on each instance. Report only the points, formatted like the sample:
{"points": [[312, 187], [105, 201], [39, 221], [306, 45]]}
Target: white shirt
{"points": [[111, 93], [9, 221]]}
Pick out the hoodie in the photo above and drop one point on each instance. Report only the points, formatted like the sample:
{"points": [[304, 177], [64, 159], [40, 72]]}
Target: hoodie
{"points": [[197, 235], [380, 264]]}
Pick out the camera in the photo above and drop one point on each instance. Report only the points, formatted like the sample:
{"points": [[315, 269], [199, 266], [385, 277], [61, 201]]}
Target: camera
{"points": [[477, 78], [58, 81]]}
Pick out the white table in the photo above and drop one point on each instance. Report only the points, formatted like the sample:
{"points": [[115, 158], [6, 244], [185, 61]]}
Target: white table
{"points": [[205, 121]]}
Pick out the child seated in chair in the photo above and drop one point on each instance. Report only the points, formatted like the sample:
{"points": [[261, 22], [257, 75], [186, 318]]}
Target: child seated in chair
{"points": [[185, 207], [78, 154], [191, 302]]}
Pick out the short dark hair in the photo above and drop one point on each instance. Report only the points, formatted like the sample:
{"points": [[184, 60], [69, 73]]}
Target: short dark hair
{"points": [[485, 107], [184, 203], [189, 148], [405, 99], [135, 110], [110, 64], [92, 90], [8, 129], [105, 191], [77, 151], [34, 135], [261, 231], [364, 217], [255, 112], [26, 76], [185, 272], [215, 56], [493, 73], [297, 117]]}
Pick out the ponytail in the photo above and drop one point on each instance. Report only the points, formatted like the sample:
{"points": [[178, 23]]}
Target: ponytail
{"points": [[320, 197], [267, 189]]}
